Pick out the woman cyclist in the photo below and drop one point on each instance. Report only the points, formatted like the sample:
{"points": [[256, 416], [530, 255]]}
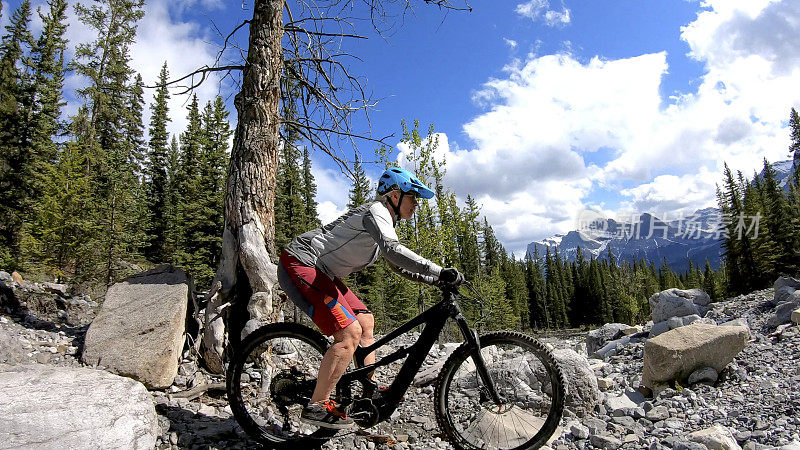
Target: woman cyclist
{"points": [[313, 265]]}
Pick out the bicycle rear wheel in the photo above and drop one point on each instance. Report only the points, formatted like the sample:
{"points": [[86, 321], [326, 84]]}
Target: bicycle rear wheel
{"points": [[528, 380], [271, 379]]}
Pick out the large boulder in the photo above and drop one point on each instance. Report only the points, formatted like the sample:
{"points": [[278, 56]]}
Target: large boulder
{"points": [[50, 407], [583, 394], [678, 303], [598, 338], [675, 354], [139, 331]]}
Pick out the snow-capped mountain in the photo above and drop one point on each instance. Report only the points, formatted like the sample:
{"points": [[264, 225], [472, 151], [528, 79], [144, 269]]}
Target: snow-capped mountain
{"points": [[677, 239]]}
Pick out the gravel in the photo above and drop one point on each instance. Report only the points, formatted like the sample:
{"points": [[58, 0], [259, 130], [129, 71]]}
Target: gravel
{"points": [[756, 396]]}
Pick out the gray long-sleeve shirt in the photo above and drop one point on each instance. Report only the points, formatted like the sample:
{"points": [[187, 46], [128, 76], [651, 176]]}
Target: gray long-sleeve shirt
{"points": [[354, 241]]}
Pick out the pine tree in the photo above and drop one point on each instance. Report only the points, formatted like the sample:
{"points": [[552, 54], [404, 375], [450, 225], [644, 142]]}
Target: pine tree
{"points": [[535, 283], [60, 235], [172, 201], [469, 248], [361, 190], [105, 62], [490, 247], [309, 194], [134, 129], [16, 167], [515, 290], [156, 170], [217, 132], [780, 225], [710, 284], [794, 138], [290, 207], [190, 225]]}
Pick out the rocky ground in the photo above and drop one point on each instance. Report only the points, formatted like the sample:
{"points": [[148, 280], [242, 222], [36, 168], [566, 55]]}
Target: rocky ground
{"points": [[756, 396]]}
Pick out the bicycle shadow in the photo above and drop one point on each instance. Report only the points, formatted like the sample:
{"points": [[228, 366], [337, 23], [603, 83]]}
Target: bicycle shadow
{"points": [[195, 430]]}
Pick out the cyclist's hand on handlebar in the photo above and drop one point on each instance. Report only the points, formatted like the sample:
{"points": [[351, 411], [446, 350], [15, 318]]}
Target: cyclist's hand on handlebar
{"points": [[450, 277]]}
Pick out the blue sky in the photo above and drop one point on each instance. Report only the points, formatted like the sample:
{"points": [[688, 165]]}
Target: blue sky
{"points": [[547, 107]]}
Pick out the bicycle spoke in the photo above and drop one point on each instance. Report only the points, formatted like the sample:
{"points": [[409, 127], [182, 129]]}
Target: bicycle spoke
{"points": [[524, 384]]}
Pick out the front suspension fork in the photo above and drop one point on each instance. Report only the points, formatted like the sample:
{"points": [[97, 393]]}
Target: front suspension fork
{"points": [[474, 344]]}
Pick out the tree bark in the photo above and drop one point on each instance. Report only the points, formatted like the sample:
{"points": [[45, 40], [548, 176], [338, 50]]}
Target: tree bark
{"points": [[249, 237]]}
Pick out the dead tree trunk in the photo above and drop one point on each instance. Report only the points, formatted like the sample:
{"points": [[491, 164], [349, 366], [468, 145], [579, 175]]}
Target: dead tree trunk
{"points": [[249, 237]]}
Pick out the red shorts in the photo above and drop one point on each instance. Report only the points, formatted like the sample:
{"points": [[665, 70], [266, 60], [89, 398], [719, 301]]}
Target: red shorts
{"points": [[335, 305]]}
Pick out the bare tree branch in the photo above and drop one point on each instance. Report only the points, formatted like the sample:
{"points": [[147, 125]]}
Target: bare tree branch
{"points": [[320, 87]]}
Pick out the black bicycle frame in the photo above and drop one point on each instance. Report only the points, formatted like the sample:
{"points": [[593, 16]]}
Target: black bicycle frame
{"points": [[434, 319]]}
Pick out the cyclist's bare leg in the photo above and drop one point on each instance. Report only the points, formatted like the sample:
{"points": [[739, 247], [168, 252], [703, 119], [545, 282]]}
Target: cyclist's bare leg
{"points": [[367, 321], [336, 360]]}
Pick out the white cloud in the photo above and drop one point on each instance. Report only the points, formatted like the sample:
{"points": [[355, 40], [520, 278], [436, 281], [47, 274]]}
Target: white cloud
{"points": [[672, 193], [328, 212], [548, 115], [511, 43], [540, 9], [333, 188]]}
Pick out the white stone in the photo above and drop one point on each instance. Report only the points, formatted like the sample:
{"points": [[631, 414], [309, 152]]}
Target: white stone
{"points": [[48, 407], [605, 383], [717, 437]]}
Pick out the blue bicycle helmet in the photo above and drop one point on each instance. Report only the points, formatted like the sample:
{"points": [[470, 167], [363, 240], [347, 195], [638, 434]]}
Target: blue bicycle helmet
{"points": [[405, 181]]}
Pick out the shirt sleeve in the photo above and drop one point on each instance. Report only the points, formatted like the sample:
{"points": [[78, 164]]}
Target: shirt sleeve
{"points": [[378, 223]]}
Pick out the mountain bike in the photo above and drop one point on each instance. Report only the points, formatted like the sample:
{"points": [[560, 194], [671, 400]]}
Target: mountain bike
{"points": [[500, 390]]}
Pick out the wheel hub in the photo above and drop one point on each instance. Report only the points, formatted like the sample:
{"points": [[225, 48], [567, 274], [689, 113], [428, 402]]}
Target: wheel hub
{"points": [[286, 389]]}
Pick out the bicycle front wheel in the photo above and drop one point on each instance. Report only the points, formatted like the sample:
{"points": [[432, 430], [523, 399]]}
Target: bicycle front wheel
{"points": [[271, 379], [528, 381]]}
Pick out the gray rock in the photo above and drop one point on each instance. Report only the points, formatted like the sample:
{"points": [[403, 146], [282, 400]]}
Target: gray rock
{"points": [[786, 281], [605, 441], [678, 303], [59, 407], [427, 376], [783, 312], [5, 276], [55, 288], [596, 339], [659, 328], [675, 322], [782, 294], [690, 319], [579, 431], [139, 331], [582, 391], [611, 347], [688, 445], [703, 375], [595, 425], [740, 322], [625, 402], [659, 412]]}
